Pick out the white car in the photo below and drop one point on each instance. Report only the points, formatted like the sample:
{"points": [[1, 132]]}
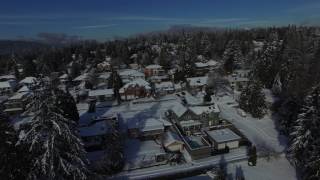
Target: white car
{"points": [[241, 112]]}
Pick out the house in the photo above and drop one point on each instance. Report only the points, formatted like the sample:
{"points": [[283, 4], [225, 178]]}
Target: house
{"points": [[128, 75], [150, 128], [135, 89], [185, 119], [172, 142], [223, 137], [141, 154], [239, 79], [101, 95], [30, 82], [197, 83], [201, 68], [212, 65], [104, 66], [17, 103], [64, 78], [153, 70], [94, 135], [164, 88], [103, 79], [7, 87]]}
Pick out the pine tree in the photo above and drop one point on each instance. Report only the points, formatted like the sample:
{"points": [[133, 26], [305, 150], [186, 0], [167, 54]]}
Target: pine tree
{"points": [[30, 68], [164, 59], [114, 160], [305, 146], [7, 149], [266, 65], [252, 99], [116, 83], [67, 104], [252, 161], [56, 150], [232, 56], [277, 85]]}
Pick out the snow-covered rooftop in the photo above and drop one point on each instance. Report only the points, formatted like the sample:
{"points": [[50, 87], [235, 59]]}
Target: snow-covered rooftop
{"points": [[153, 66], [140, 82], [198, 81], [131, 73], [28, 80], [179, 109], [165, 85], [19, 96], [64, 76], [223, 135], [105, 75], [171, 137], [24, 89], [101, 92], [145, 124], [82, 77], [198, 110], [212, 63], [7, 77], [201, 65], [6, 84], [152, 124]]}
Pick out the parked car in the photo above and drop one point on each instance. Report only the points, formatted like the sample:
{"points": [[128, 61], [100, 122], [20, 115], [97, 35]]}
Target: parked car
{"points": [[241, 112]]}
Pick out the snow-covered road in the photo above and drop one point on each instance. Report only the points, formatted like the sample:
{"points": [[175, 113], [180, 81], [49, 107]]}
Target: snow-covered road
{"points": [[262, 132]]}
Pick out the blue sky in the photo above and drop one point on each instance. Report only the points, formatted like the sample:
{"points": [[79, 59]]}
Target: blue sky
{"points": [[103, 19]]}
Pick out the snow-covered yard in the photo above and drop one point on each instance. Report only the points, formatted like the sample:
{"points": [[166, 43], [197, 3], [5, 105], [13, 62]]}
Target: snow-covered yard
{"points": [[275, 169]]}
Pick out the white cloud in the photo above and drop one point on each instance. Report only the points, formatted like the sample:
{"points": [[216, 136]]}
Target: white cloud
{"points": [[96, 26]]}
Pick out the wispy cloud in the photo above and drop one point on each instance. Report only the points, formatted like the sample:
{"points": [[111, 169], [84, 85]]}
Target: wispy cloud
{"points": [[224, 20], [96, 26], [144, 18]]}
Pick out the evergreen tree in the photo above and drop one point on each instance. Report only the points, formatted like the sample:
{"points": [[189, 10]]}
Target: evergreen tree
{"points": [[252, 161], [305, 146], [67, 104], [56, 150], [116, 83], [252, 99], [164, 59], [232, 56], [30, 68], [113, 161], [8, 158], [277, 85], [266, 65]]}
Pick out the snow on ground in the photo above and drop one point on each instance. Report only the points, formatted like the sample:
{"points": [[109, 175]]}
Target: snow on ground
{"points": [[275, 169], [262, 132]]}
